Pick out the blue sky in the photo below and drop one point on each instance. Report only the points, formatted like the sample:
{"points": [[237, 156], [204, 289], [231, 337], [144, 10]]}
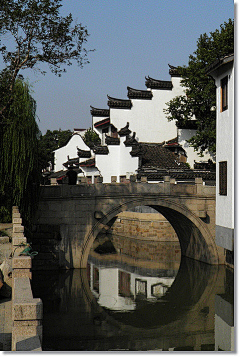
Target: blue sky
{"points": [[132, 39]]}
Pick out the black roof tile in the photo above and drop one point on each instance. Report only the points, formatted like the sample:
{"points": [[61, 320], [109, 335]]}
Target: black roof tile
{"points": [[139, 94], [158, 84], [96, 112], [119, 103]]}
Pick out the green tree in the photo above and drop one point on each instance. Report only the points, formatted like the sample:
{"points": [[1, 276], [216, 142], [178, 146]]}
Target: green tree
{"points": [[33, 32], [49, 142], [19, 174], [200, 99], [91, 138]]}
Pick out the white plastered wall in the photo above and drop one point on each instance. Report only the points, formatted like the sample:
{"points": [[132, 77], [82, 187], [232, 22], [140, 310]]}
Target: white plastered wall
{"points": [[225, 152], [61, 154], [147, 117]]}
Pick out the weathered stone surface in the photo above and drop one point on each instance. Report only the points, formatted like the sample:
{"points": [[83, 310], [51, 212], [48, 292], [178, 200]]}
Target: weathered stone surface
{"points": [[22, 273], [180, 204], [27, 310], [22, 262], [18, 228], [19, 240], [4, 240], [17, 220]]}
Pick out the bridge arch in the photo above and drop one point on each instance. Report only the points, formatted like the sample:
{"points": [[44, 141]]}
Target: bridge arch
{"points": [[195, 239]]}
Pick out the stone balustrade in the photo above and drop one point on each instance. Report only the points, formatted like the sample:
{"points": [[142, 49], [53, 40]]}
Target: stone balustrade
{"points": [[27, 312]]}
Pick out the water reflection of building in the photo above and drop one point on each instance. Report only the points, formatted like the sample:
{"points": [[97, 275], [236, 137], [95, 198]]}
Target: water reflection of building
{"points": [[119, 289], [224, 316]]}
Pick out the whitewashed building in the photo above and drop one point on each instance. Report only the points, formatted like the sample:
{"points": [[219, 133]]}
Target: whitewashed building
{"points": [[223, 72], [136, 137]]}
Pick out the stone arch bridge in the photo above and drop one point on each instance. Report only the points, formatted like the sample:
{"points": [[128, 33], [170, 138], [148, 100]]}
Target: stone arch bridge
{"points": [[74, 215]]}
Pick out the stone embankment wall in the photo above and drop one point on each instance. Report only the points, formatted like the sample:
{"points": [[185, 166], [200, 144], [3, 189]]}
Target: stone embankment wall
{"points": [[27, 312], [147, 236], [152, 226]]}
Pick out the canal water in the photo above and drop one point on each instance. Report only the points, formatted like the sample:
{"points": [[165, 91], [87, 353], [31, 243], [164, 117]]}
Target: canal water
{"points": [[121, 303]]}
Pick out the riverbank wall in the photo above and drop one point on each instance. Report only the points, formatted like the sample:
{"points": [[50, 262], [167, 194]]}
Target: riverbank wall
{"points": [[146, 236], [27, 312]]}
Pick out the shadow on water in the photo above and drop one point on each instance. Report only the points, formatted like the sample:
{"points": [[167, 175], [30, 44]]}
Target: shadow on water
{"points": [[181, 319]]}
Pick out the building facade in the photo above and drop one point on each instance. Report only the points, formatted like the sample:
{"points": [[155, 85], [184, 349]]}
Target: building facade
{"points": [[223, 72]]}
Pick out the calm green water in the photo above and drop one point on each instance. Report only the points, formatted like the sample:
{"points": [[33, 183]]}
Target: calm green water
{"points": [[121, 304]]}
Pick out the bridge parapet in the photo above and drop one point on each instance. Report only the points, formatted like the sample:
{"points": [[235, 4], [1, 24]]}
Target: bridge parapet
{"points": [[101, 189]]}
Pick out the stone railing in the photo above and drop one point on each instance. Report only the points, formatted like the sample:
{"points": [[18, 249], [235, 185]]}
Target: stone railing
{"points": [[27, 312]]}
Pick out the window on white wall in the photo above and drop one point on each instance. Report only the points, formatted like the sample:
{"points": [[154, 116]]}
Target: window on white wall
{"points": [[223, 178], [224, 93]]}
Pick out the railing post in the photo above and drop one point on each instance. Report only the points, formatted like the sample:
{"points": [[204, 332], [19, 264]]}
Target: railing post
{"points": [[166, 184], [199, 185]]}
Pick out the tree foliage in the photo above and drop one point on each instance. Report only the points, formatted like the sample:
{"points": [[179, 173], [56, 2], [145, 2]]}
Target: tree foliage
{"points": [[19, 154], [200, 99], [91, 138], [49, 142], [33, 32]]}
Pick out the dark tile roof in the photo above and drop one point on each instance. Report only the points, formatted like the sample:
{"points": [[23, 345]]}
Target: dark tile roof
{"points": [[99, 112], [130, 140], [102, 122], [125, 131], [100, 150], [57, 174], [138, 150], [158, 84], [119, 103], [84, 153], [179, 175], [219, 62], [161, 157], [71, 162], [139, 94], [87, 163], [173, 71], [109, 140], [156, 156]]}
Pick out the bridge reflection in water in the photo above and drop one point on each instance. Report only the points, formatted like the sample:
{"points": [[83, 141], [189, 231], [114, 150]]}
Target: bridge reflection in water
{"points": [[119, 303]]}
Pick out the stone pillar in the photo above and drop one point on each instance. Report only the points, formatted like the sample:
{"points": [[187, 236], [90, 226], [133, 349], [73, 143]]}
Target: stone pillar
{"points": [[99, 179], [166, 184], [113, 179], [83, 180], [199, 185]]}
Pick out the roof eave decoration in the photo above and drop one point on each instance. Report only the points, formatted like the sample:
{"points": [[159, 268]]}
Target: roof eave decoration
{"points": [[96, 112], [139, 94], [100, 150], [84, 153], [173, 71], [124, 131], [109, 140], [130, 140], [119, 103], [102, 122], [88, 163], [158, 84]]}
